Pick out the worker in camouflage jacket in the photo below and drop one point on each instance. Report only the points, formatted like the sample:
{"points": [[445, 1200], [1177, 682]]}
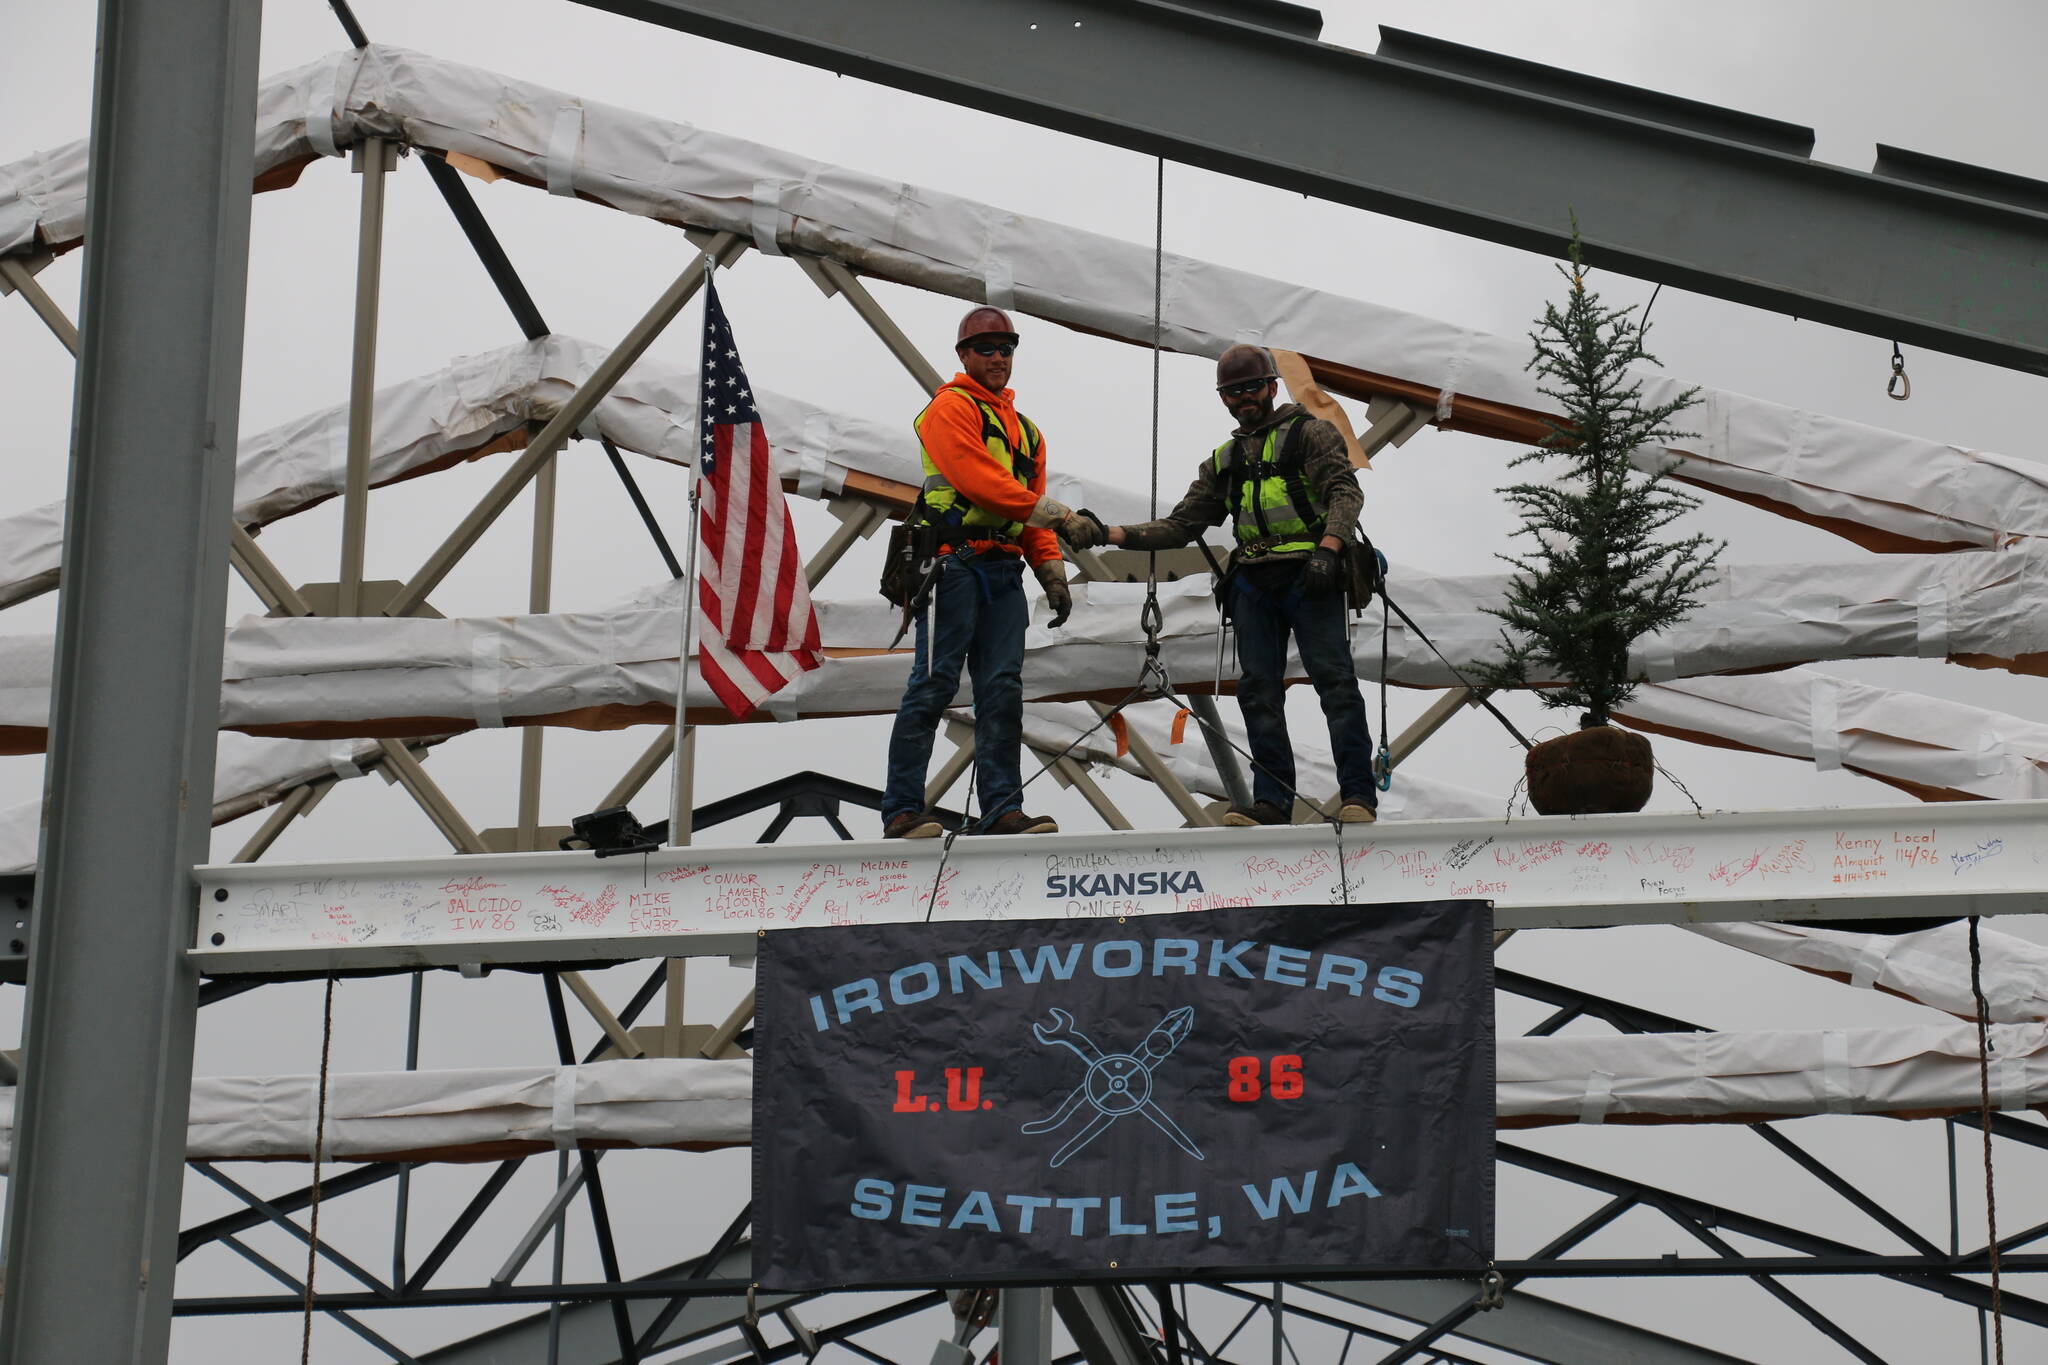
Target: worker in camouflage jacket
{"points": [[1285, 482]]}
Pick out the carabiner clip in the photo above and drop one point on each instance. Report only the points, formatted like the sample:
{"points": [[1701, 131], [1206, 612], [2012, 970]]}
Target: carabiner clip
{"points": [[1899, 387], [1383, 768]]}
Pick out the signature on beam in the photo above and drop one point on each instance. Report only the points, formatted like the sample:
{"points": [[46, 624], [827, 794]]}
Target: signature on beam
{"points": [[1990, 848]]}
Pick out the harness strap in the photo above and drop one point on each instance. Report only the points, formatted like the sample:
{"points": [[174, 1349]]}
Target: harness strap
{"points": [[1243, 467]]}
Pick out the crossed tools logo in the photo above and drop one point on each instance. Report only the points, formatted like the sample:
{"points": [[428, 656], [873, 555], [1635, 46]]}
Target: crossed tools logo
{"points": [[1116, 1084]]}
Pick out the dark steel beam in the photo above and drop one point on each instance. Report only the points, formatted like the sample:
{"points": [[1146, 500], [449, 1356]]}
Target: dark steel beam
{"points": [[193, 1238], [1534, 1328], [464, 1221], [1100, 1320], [291, 1282], [274, 1215], [1942, 1275], [1814, 1318], [99, 1141], [1939, 1272], [1952, 258]]}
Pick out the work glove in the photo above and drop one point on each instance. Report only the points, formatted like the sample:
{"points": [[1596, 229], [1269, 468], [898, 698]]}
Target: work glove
{"points": [[1052, 575], [1082, 529], [1319, 577], [1049, 511]]}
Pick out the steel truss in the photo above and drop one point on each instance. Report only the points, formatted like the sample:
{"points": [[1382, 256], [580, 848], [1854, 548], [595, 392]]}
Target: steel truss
{"points": [[701, 1303]]}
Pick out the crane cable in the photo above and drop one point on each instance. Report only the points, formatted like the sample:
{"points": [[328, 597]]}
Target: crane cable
{"points": [[1153, 680]]}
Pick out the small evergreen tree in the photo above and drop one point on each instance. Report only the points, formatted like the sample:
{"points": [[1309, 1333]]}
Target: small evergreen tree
{"points": [[1598, 578]]}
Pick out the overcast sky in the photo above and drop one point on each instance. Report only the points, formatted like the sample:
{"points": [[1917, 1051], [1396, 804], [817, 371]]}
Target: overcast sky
{"points": [[1964, 85]]}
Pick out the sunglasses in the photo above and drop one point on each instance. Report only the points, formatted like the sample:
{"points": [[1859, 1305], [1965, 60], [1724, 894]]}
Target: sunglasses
{"points": [[1003, 348], [1244, 390]]}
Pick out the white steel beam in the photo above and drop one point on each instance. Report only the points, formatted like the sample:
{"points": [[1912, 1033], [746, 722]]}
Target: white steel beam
{"points": [[17, 277], [1979, 858], [723, 250], [374, 159]]}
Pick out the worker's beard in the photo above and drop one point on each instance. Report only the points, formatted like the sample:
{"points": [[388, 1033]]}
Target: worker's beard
{"points": [[1250, 413]]}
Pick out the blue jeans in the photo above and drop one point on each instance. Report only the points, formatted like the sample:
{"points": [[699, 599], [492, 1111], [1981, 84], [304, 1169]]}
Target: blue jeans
{"points": [[1264, 613], [977, 618]]}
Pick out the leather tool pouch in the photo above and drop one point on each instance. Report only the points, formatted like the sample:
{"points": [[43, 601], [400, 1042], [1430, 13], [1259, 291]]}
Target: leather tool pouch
{"points": [[913, 545], [1364, 572]]}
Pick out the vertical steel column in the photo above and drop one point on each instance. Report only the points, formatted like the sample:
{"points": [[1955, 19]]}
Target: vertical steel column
{"points": [[1192, 810], [92, 1218], [372, 160], [1235, 789], [682, 807], [539, 598], [1026, 1326]]}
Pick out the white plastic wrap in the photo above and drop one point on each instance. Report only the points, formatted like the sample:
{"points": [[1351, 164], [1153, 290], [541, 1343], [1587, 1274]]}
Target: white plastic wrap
{"points": [[1931, 966], [660, 1102], [1928, 745], [1910, 491], [315, 677], [480, 403], [249, 774], [1741, 1077], [480, 1115]]}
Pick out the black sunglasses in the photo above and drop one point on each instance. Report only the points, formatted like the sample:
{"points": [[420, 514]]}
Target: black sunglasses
{"points": [[994, 347], [1244, 390]]}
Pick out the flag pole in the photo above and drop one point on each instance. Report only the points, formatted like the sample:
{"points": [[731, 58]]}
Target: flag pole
{"points": [[682, 765]]}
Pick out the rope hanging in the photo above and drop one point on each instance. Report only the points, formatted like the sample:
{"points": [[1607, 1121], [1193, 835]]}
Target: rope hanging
{"points": [[1984, 1125], [319, 1154]]}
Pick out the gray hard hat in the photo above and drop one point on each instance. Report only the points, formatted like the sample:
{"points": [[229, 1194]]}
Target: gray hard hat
{"points": [[1243, 363]]}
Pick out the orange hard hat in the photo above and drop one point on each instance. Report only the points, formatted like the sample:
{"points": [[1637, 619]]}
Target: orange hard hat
{"points": [[1243, 363], [985, 321]]}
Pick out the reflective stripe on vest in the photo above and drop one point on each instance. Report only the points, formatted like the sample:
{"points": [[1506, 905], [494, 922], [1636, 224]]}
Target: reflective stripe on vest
{"points": [[1274, 506], [947, 506]]}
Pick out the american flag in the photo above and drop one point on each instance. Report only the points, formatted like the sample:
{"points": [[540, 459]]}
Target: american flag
{"points": [[759, 630]]}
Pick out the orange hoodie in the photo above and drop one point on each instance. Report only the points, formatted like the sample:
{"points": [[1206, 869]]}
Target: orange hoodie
{"points": [[951, 432]]}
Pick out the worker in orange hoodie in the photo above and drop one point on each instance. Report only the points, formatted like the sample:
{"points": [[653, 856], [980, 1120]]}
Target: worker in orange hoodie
{"points": [[984, 489]]}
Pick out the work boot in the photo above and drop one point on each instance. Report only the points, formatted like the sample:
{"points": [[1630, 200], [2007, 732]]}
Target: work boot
{"points": [[1358, 810], [913, 824], [1017, 822], [1257, 813]]}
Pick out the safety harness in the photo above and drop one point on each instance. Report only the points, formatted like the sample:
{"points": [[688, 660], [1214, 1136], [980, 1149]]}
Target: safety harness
{"points": [[943, 503], [1272, 507], [911, 565]]}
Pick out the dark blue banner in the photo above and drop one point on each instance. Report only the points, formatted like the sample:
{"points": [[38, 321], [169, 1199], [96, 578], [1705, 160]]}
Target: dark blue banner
{"points": [[1227, 1092]]}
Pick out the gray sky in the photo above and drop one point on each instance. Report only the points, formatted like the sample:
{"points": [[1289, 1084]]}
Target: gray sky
{"points": [[1965, 87]]}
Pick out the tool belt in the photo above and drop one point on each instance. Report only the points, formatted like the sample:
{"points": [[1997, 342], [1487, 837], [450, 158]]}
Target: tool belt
{"points": [[913, 546], [1258, 545], [970, 535], [1361, 566], [913, 552]]}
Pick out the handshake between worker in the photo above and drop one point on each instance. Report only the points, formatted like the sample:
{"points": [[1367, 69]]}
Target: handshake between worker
{"points": [[1283, 482], [1080, 529]]}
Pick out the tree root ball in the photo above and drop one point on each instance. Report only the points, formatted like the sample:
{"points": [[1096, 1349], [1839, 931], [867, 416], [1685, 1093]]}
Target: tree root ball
{"points": [[1596, 771]]}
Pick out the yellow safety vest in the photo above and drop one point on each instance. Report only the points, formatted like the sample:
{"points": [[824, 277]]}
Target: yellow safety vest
{"points": [[1272, 506], [947, 507]]}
